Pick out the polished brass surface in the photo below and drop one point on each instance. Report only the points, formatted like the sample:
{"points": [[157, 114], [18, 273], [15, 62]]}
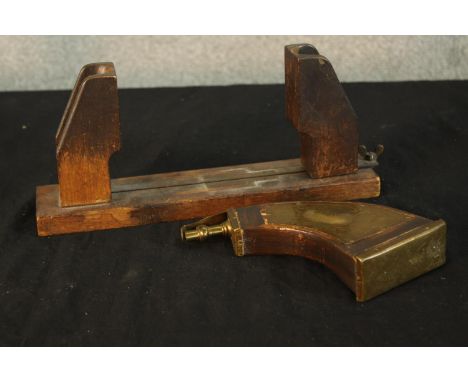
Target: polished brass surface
{"points": [[371, 248], [348, 222], [401, 259]]}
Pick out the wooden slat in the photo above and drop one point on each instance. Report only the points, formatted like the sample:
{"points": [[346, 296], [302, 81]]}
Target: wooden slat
{"points": [[207, 175], [196, 193]]}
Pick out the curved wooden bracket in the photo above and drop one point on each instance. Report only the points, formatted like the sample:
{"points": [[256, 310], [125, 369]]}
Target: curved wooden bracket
{"points": [[88, 135], [317, 106], [371, 248]]}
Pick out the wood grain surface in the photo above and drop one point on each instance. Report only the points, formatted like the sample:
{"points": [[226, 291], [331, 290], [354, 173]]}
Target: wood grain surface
{"points": [[88, 135], [196, 193], [319, 109]]}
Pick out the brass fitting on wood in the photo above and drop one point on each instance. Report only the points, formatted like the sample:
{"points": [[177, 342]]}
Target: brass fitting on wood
{"points": [[371, 248]]}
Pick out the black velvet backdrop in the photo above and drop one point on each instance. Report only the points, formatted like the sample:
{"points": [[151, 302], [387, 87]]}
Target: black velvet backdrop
{"points": [[143, 286]]}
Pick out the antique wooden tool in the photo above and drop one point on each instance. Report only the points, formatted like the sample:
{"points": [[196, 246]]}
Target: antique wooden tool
{"points": [[331, 167], [370, 248]]}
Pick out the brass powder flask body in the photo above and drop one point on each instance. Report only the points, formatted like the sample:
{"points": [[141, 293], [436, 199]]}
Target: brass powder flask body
{"points": [[371, 248]]}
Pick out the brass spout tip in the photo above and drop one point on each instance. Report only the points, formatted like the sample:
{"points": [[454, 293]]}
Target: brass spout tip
{"points": [[198, 233], [201, 232]]}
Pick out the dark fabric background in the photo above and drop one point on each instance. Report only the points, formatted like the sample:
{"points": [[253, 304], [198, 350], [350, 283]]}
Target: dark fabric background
{"points": [[143, 286]]}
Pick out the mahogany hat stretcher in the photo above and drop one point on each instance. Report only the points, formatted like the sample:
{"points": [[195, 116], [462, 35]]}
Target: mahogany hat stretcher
{"points": [[86, 199]]}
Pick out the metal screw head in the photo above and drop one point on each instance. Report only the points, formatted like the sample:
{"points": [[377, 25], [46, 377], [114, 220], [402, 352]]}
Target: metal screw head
{"points": [[370, 155]]}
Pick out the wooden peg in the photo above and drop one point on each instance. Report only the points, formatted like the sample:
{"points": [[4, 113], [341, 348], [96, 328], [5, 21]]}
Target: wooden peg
{"points": [[88, 135], [317, 106]]}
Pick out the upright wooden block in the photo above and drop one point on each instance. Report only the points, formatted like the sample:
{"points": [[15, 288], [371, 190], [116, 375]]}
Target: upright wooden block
{"points": [[317, 106], [88, 135]]}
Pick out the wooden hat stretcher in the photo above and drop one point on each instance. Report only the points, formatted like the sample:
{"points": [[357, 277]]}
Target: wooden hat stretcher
{"points": [[332, 165]]}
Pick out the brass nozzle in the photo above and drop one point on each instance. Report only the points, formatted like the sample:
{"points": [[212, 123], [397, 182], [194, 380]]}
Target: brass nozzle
{"points": [[202, 231]]}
